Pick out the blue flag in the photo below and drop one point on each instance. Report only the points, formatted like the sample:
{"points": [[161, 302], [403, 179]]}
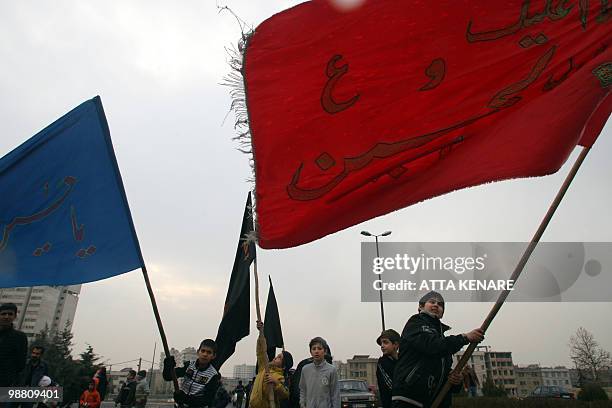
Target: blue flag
{"points": [[64, 216]]}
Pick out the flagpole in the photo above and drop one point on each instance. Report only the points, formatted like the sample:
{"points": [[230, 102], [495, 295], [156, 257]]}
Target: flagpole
{"points": [[258, 310], [519, 268], [160, 326]]}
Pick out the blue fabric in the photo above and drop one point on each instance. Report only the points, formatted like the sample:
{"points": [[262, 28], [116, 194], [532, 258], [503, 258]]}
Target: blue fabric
{"points": [[64, 216]]}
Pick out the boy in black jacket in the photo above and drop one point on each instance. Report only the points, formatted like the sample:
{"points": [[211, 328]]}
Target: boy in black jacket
{"points": [[201, 379], [425, 356], [389, 344]]}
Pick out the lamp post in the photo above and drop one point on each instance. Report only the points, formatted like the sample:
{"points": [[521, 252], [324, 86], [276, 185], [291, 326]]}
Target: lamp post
{"points": [[384, 234]]}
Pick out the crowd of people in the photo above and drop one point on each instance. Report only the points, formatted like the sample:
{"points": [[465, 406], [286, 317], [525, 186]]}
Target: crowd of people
{"points": [[17, 370], [410, 373]]}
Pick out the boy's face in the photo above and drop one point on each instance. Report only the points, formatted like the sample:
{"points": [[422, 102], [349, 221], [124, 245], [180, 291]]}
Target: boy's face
{"points": [[206, 355], [317, 352], [278, 361], [388, 348], [91, 387], [434, 307]]}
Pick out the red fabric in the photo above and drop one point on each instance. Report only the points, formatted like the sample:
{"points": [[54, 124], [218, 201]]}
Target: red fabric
{"points": [[354, 114], [90, 399]]}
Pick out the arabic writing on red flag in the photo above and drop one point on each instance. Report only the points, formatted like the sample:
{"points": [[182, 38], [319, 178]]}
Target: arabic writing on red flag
{"points": [[357, 113]]}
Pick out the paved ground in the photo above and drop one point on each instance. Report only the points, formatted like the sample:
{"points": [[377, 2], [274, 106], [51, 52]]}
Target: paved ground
{"points": [[152, 404]]}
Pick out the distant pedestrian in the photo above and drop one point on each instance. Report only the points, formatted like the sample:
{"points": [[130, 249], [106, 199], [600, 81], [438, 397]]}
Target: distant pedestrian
{"points": [[13, 347], [34, 371], [425, 356], [247, 390], [200, 378], [389, 345], [319, 387], [239, 391], [90, 397], [46, 381], [142, 389], [470, 381], [126, 396]]}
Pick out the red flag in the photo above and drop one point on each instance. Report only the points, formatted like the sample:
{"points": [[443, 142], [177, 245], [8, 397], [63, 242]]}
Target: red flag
{"points": [[357, 113]]}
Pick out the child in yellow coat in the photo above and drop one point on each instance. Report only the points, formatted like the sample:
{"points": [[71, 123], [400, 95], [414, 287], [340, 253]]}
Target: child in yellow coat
{"points": [[278, 368]]}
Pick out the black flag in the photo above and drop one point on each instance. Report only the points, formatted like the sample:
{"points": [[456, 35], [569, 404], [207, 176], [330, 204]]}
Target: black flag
{"points": [[236, 313], [272, 324]]}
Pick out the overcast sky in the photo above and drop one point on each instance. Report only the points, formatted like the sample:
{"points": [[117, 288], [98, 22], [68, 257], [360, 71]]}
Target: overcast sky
{"points": [[157, 66]]}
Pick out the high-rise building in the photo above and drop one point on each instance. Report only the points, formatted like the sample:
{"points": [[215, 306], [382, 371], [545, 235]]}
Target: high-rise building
{"points": [[189, 354], [43, 306], [244, 371], [174, 353]]}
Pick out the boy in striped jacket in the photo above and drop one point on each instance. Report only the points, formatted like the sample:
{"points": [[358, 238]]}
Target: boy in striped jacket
{"points": [[200, 378]]}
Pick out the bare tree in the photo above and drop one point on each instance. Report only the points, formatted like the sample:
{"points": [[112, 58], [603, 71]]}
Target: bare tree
{"points": [[586, 354]]}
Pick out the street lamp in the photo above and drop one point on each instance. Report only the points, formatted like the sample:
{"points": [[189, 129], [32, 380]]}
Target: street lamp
{"points": [[384, 234]]}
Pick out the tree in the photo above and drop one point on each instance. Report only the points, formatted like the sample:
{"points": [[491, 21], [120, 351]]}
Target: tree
{"points": [[587, 356], [89, 359], [592, 392]]}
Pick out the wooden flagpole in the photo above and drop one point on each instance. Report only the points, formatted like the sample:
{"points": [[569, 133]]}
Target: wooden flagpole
{"points": [[519, 268], [160, 326], [261, 334]]}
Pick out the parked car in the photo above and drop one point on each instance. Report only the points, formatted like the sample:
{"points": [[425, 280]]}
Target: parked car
{"points": [[356, 394], [551, 391]]}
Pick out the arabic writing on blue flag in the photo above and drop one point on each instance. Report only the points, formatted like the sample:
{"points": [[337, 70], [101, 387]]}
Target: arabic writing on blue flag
{"points": [[64, 216]]}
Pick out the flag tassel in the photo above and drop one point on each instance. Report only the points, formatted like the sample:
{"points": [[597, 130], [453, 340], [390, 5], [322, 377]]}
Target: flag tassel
{"points": [[519, 268]]}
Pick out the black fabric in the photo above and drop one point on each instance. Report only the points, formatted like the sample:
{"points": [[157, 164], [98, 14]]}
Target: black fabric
{"points": [[13, 352], [235, 323], [425, 359], [222, 397], [384, 376], [102, 385], [272, 325]]}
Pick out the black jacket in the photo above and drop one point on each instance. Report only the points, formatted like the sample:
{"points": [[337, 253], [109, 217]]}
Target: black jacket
{"points": [[384, 376], [425, 360], [33, 374], [13, 351], [127, 394]]}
